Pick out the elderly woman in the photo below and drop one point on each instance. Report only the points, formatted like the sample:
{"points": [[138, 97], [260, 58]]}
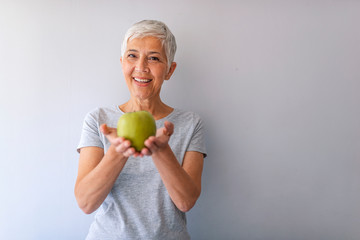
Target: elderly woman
{"points": [[141, 195]]}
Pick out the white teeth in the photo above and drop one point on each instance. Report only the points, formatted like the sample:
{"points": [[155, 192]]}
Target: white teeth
{"points": [[142, 80]]}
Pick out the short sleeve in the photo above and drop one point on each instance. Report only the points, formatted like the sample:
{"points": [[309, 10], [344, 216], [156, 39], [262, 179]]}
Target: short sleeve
{"points": [[90, 135], [197, 142]]}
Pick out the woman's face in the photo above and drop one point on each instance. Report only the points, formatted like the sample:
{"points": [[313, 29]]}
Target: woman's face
{"points": [[145, 68]]}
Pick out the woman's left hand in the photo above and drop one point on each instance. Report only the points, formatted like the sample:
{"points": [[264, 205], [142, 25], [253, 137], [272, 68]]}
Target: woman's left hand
{"points": [[160, 141], [182, 181]]}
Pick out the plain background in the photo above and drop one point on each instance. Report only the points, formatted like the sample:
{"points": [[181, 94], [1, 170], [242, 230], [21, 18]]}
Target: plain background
{"points": [[276, 82]]}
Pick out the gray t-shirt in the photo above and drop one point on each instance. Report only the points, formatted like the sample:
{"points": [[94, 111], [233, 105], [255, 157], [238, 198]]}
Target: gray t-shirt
{"points": [[138, 206]]}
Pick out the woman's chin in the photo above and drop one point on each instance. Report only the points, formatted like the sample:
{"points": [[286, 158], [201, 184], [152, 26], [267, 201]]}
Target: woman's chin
{"points": [[143, 96]]}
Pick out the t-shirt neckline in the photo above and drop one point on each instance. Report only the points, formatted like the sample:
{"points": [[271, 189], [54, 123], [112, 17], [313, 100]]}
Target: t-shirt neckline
{"points": [[168, 116]]}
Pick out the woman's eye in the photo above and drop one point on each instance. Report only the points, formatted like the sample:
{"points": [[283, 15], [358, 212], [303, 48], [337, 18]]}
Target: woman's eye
{"points": [[154, 58]]}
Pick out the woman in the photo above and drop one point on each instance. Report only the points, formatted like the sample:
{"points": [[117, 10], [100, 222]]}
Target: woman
{"points": [[141, 195]]}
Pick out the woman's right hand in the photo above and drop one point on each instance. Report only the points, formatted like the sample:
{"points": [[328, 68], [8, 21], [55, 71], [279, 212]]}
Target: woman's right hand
{"points": [[120, 144], [98, 171]]}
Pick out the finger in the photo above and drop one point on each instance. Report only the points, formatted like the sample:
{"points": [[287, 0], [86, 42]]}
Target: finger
{"points": [[146, 152], [104, 129], [152, 146], [129, 152], [169, 128], [136, 154], [123, 146], [116, 141], [150, 143]]}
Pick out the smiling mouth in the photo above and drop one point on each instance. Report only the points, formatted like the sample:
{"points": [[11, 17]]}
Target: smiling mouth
{"points": [[142, 80]]}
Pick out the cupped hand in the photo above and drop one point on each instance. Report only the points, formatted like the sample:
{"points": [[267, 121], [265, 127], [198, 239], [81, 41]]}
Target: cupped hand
{"points": [[120, 144], [160, 141]]}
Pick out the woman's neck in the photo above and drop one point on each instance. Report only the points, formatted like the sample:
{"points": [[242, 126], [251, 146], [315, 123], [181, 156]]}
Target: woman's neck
{"points": [[157, 108]]}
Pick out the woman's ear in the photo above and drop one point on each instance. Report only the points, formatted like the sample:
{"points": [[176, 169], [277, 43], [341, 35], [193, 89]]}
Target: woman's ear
{"points": [[121, 60], [171, 70]]}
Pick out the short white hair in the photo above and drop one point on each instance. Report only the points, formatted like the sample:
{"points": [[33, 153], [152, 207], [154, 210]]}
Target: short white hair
{"points": [[156, 29]]}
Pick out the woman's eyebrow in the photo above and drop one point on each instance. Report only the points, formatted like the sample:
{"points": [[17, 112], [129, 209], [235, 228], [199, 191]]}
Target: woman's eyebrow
{"points": [[150, 52], [154, 52]]}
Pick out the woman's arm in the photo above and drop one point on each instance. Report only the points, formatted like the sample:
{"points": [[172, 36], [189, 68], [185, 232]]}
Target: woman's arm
{"points": [[96, 176], [183, 183], [97, 172]]}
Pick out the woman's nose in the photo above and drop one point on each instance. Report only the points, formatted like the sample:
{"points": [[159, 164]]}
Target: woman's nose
{"points": [[142, 65]]}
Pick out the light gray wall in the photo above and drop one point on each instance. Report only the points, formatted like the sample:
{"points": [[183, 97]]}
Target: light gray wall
{"points": [[277, 83]]}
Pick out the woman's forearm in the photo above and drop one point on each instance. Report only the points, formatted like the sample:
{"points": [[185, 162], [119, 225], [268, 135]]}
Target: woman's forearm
{"points": [[93, 188], [181, 187]]}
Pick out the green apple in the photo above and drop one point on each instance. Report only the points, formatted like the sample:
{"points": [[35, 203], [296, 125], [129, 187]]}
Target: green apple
{"points": [[136, 127]]}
